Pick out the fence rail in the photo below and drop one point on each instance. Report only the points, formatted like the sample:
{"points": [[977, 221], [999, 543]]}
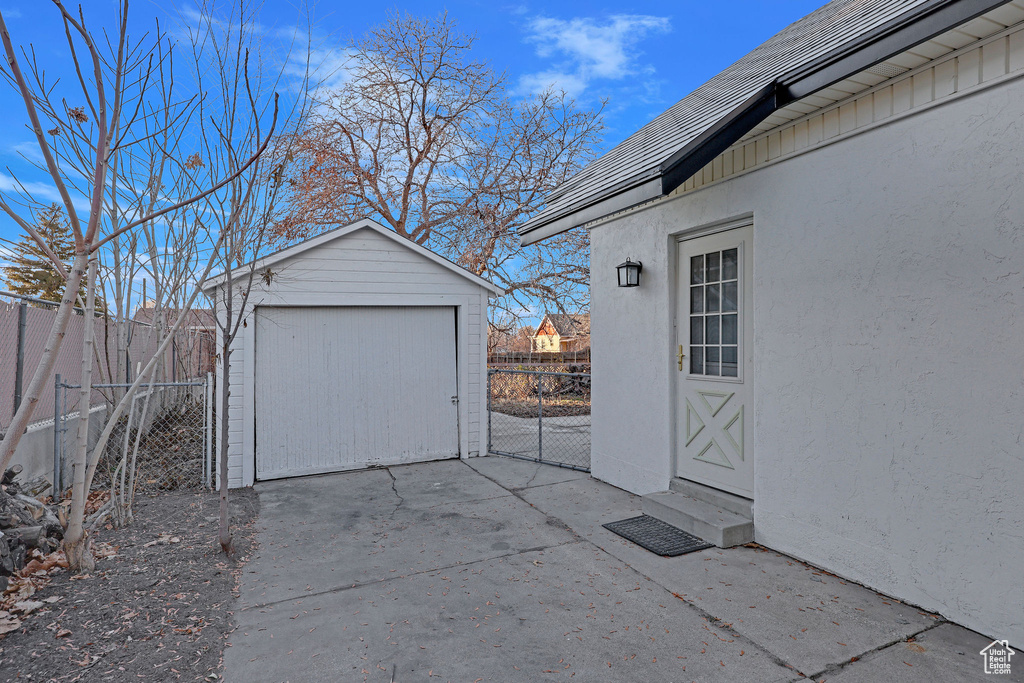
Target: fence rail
{"points": [[540, 416], [537, 357]]}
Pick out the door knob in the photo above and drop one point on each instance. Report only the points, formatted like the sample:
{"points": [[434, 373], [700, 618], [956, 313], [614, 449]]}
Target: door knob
{"points": [[681, 356]]}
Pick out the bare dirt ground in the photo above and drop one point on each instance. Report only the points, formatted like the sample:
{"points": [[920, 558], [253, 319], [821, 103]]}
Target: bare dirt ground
{"points": [[158, 609]]}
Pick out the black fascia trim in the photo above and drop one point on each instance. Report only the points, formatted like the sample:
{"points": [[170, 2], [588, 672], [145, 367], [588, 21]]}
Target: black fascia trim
{"points": [[681, 166], [885, 42], [880, 45]]}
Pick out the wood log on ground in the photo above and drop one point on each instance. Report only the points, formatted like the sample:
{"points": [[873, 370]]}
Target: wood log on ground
{"points": [[34, 536], [6, 559], [43, 515], [35, 487], [12, 472], [9, 505]]}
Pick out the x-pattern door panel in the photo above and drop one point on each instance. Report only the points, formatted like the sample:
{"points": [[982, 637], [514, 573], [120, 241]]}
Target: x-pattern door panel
{"points": [[715, 341]]}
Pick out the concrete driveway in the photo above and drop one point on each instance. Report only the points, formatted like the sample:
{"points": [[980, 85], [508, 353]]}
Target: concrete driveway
{"points": [[495, 569]]}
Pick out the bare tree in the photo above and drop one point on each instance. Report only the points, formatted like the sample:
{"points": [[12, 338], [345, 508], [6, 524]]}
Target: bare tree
{"points": [[114, 77], [246, 211], [428, 140]]}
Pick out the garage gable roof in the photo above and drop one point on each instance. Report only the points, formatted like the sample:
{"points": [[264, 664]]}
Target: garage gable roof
{"points": [[834, 42], [342, 231]]}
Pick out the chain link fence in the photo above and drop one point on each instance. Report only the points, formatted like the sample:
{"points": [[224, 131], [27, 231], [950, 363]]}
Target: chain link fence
{"points": [[122, 348], [540, 416], [163, 442]]}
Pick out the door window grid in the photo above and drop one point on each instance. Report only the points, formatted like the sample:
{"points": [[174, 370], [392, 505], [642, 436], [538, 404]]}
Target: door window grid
{"points": [[714, 313]]}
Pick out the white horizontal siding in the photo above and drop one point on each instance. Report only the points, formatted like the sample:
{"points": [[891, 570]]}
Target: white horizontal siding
{"points": [[360, 268], [978, 65]]}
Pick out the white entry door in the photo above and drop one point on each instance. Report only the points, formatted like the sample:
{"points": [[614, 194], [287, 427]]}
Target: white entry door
{"points": [[714, 346], [340, 388]]}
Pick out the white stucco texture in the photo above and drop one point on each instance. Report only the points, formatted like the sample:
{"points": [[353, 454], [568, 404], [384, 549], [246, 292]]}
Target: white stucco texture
{"points": [[888, 354]]}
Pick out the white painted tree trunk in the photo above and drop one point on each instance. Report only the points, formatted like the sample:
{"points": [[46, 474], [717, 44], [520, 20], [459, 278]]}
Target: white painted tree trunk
{"points": [[76, 546], [41, 376]]}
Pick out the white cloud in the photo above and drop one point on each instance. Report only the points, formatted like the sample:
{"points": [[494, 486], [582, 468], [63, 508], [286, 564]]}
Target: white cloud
{"points": [[41, 192], [589, 49], [29, 151], [12, 14], [327, 67]]}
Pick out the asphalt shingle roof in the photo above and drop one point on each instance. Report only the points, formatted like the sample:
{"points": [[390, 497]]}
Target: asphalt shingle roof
{"points": [[638, 159]]}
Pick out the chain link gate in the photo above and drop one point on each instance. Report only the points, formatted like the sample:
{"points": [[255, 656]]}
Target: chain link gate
{"points": [[166, 431], [540, 416]]}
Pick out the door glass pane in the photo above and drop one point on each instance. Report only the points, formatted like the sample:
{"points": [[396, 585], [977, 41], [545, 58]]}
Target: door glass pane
{"points": [[697, 330], [712, 329], [729, 261], [713, 294], [696, 299], [711, 366], [729, 364], [729, 298], [729, 329], [713, 267], [696, 270], [714, 313], [697, 360]]}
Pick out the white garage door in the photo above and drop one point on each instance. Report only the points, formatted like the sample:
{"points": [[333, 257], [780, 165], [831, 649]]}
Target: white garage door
{"points": [[341, 388]]}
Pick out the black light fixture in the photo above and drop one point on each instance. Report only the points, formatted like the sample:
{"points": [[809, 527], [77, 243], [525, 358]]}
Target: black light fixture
{"points": [[629, 273]]}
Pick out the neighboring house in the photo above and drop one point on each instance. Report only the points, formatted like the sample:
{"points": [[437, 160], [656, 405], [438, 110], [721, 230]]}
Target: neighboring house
{"points": [[194, 352], [562, 332], [826, 338]]}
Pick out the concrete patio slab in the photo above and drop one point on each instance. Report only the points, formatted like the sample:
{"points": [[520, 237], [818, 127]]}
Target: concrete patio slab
{"points": [[946, 653], [498, 569], [358, 536], [815, 620], [511, 473], [534, 616]]}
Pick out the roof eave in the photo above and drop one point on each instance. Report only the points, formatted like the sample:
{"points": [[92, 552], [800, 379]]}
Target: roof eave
{"points": [[627, 199], [288, 252], [883, 43]]}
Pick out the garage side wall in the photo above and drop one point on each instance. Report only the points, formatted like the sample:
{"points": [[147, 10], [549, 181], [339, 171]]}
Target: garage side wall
{"points": [[362, 268], [888, 319]]}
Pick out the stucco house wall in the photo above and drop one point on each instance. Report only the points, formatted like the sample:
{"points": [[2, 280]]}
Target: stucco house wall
{"points": [[888, 430]]}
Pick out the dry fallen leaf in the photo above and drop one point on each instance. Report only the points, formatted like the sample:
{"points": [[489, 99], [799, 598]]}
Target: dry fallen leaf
{"points": [[9, 624], [27, 606]]}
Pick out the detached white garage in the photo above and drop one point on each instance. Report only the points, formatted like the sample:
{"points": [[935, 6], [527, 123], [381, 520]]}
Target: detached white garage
{"points": [[358, 348]]}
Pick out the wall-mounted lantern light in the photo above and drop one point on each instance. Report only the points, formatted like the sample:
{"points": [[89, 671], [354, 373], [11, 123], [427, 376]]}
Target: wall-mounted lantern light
{"points": [[629, 273]]}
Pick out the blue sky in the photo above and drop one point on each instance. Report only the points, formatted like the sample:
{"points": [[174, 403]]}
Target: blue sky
{"points": [[641, 57]]}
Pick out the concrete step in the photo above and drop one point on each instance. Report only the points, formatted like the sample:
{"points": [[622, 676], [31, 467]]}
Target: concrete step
{"points": [[702, 519], [727, 501]]}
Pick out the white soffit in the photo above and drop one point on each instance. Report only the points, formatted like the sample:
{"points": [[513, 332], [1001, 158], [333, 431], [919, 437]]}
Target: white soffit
{"points": [[973, 31]]}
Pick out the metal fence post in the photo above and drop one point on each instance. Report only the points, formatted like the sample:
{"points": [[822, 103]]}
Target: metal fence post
{"points": [[540, 417], [19, 370], [490, 375], [209, 429], [56, 437]]}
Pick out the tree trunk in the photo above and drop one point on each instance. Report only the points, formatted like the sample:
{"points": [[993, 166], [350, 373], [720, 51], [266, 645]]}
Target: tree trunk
{"points": [[46, 363], [222, 473], [76, 542]]}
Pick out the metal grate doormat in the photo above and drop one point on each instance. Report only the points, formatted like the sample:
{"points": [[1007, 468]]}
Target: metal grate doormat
{"points": [[657, 536]]}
